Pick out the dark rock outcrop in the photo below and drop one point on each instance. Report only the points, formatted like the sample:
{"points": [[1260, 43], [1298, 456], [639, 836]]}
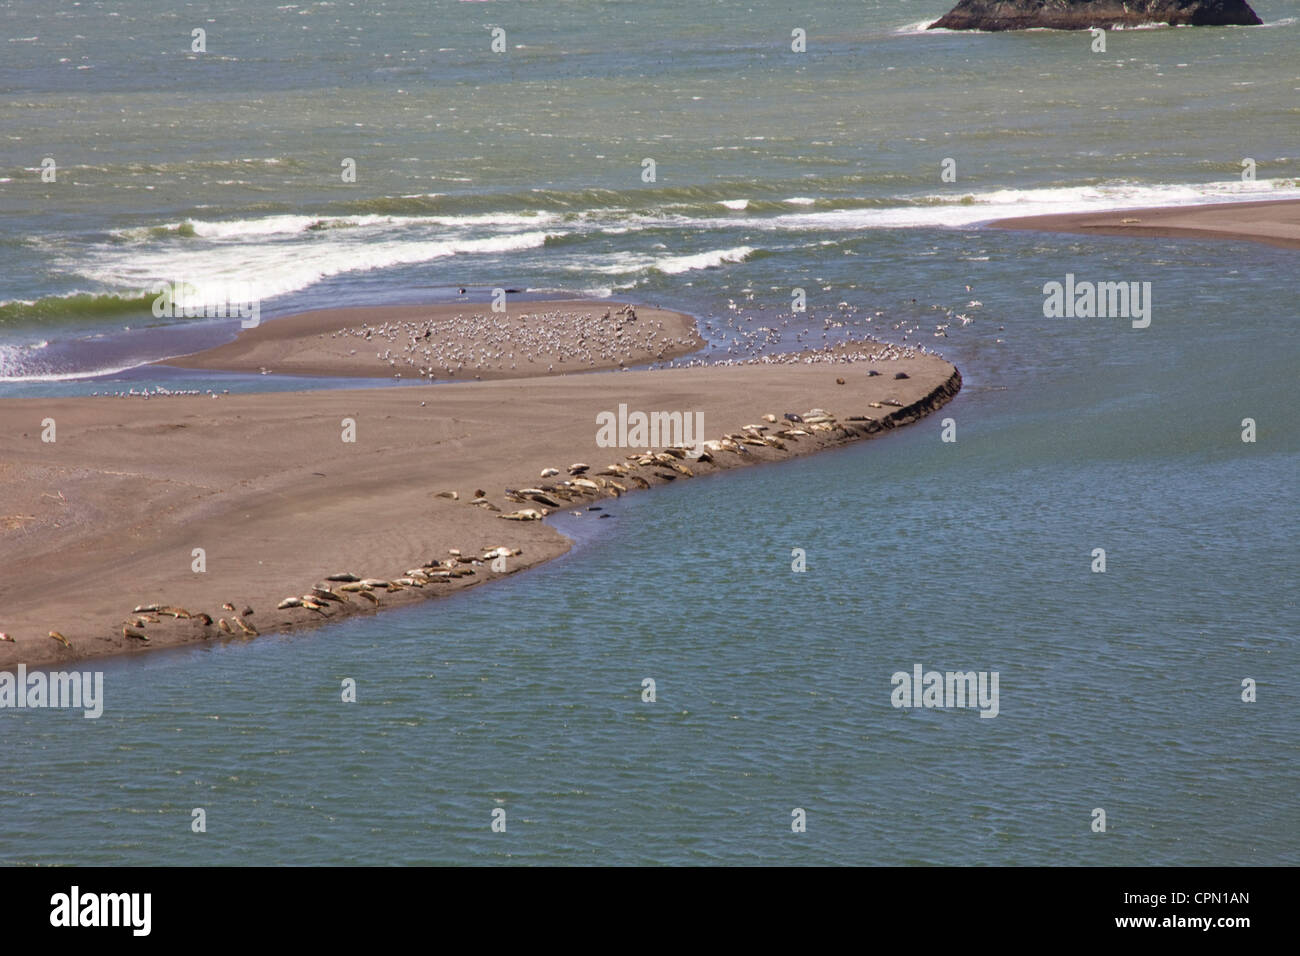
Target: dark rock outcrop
{"points": [[996, 15]]}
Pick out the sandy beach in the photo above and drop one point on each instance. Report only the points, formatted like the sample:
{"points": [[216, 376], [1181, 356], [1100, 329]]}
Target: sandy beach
{"points": [[455, 342], [107, 517], [1276, 223]]}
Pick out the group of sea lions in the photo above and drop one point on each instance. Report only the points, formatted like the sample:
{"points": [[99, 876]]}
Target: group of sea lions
{"points": [[335, 591], [668, 464]]}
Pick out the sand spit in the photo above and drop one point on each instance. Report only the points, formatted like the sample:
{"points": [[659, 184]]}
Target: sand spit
{"points": [[101, 528], [1275, 222]]}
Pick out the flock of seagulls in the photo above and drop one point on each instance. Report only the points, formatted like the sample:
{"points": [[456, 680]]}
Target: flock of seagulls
{"points": [[748, 333], [158, 391], [501, 343]]}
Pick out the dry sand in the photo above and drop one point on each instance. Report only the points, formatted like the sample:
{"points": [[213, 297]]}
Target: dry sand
{"points": [[1275, 222], [462, 341], [107, 517]]}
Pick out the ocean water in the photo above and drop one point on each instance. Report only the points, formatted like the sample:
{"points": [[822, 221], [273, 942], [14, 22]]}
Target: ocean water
{"points": [[774, 170]]}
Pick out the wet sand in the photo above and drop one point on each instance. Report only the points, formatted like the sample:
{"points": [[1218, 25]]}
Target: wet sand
{"points": [[1275, 222], [109, 515]]}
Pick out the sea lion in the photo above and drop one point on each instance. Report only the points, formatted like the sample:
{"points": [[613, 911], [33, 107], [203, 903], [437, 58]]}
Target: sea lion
{"points": [[453, 495], [286, 604], [204, 618], [578, 468], [526, 514], [134, 632], [871, 372], [901, 375], [6, 637], [146, 608], [224, 625], [228, 606], [369, 597], [245, 627], [60, 638], [345, 576], [792, 417], [549, 472]]}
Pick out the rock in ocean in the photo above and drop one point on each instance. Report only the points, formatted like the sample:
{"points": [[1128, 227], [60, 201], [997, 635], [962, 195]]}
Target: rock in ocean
{"points": [[995, 15]]}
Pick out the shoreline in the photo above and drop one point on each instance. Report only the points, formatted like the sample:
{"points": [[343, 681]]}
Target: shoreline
{"points": [[454, 342], [107, 517], [1275, 222]]}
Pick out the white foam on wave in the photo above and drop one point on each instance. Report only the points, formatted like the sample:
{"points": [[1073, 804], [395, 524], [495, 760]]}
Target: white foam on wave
{"points": [[920, 26], [273, 256], [675, 265], [736, 204], [234, 272], [287, 225], [633, 263], [959, 210], [18, 365]]}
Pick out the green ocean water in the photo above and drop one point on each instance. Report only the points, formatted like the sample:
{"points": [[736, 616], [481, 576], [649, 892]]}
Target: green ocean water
{"points": [[774, 170]]}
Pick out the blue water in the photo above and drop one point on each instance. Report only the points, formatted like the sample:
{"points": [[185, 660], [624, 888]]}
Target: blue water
{"points": [[1118, 690]]}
